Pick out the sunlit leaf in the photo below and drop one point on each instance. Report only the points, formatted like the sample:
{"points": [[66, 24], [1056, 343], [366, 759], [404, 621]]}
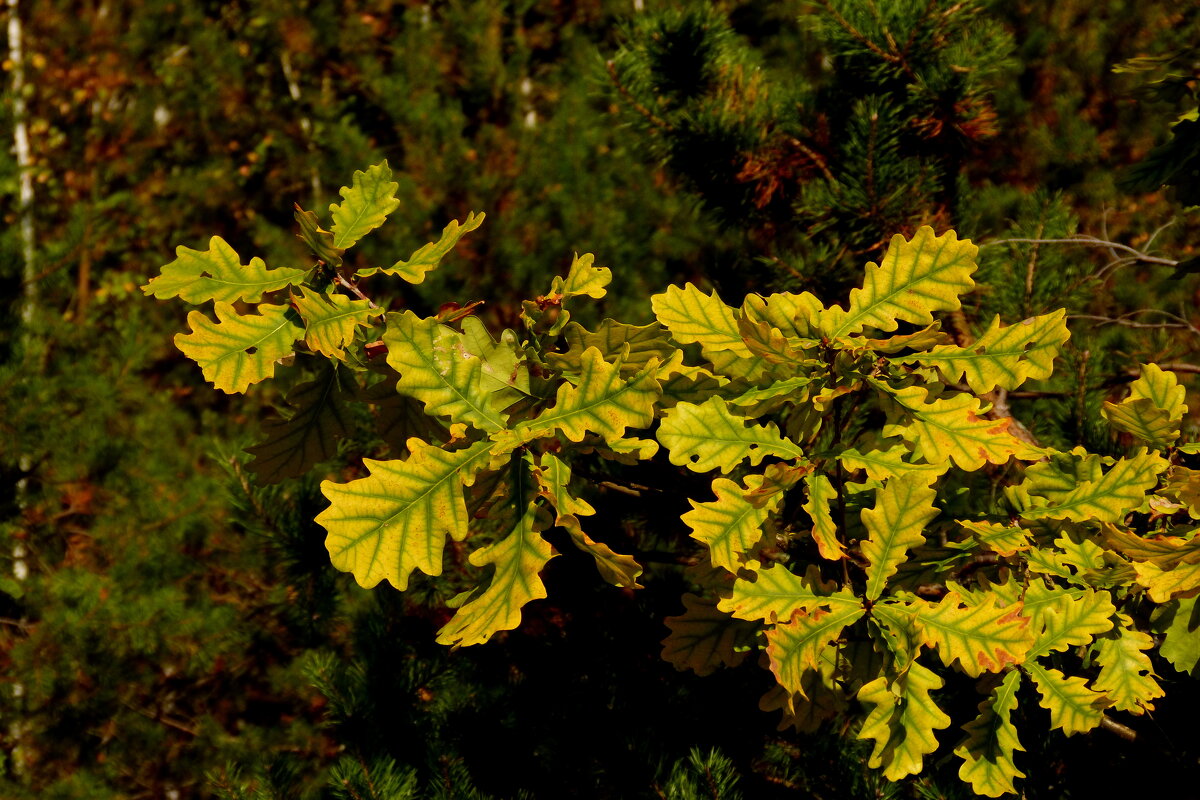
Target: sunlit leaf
{"points": [[384, 526], [982, 638], [365, 204], [694, 317], [1164, 584], [555, 476], [1119, 491], [824, 532], [775, 594], [518, 560], [1063, 618], [991, 742], [893, 462], [1004, 356], [903, 507], [797, 645], [708, 436], [1072, 705], [730, 526], [430, 256], [611, 338], [603, 402], [914, 279], [1179, 623], [952, 428], [436, 368], [1004, 540], [239, 350], [331, 320], [902, 721], [1126, 674], [217, 274]]}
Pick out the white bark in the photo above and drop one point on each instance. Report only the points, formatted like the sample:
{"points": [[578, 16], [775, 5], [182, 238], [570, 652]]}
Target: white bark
{"points": [[24, 163]]}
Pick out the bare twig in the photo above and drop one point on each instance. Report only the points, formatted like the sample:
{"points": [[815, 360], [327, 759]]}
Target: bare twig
{"points": [[1089, 241], [357, 292]]}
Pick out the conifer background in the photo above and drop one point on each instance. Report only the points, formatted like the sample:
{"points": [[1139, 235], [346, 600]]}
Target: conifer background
{"points": [[169, 628]]}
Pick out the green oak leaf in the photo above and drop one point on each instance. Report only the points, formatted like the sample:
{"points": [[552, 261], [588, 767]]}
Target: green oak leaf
{"points": [[384, 526], [694, 317], [903, 507], [518, 560], [554, 476], [707, 436], [319, 240], [731, 525], [436, 368], [1107, 499], [429, 256], [217, 274], [1004, 356], [902, 721], [991, 742], [603, 402], [915, 278], [239, 350], [1126, 673], [331, 320], [365, 205], [1072, 705]]}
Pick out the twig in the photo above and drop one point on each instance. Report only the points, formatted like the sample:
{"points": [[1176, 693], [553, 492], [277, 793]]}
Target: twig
{"points": [[357, 292], [1124, 731], [1089, 241]]}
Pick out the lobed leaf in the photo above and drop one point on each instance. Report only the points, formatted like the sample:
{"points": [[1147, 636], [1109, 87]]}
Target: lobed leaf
{"points": [[902, 509], [731, 525], [952, 429], [902, 721], [217, 274], [632, 345], [707, 436], [776, 593], [983, 637], [384, 526], [1063, 618], [436, 368], [1004, 356], [1072, 705], [1165, 584], [554, 476], [1126, 674], [824, 531], [914, 279], [694, 317], [703, 638], [1179, 623], [430, 256], [292, 446], [1004, 540], [365, 205], [603, 402], [891, 463], [798, 645], [1122, 489], [331, 320], [518, 560], [238, 350], [991, 742]]}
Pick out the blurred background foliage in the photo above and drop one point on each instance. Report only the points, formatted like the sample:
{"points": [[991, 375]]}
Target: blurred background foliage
{"points": [[170, 629]]}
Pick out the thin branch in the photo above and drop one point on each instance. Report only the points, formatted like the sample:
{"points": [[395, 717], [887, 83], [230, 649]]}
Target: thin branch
{"points": [[350, 286], [1089, 241]]}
